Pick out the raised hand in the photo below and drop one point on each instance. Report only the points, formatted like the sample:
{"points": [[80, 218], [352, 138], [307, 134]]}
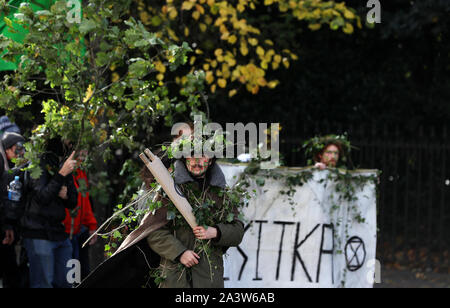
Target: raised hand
{"points": [[69, 165]]}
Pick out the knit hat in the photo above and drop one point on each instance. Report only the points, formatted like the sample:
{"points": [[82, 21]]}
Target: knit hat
{"points": [[9, 139]]}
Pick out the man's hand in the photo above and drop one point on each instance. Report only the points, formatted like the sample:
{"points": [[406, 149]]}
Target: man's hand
{"points": [[9, 237], [321, 166], [203, 234], [69, 165], [63, 193], [189, 258]]}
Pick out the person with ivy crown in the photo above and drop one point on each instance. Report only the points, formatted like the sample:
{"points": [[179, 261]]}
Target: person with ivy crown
{"points": [[330, 151], [164, 251], [194, 257]]}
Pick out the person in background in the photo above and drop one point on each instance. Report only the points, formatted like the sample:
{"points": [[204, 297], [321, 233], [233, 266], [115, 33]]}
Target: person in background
{"points": [[329, 151], [46, 242], [329, 156], [80, 223], [10, 211]]}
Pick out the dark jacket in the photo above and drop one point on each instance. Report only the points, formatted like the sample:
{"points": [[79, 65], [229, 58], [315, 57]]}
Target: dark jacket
{"points": [[45, 210], [11, 211]]}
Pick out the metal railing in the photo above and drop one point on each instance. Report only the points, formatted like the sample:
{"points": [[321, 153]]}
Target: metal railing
{"points": [[413, 193]]}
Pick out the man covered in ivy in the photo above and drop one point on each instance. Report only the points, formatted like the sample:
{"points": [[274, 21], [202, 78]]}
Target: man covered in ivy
{"points": [[194, 258], [166, 247]]}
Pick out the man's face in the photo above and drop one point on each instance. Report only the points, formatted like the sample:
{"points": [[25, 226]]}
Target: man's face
{"points": [[198, 166], [330, 156], [15, 151]]}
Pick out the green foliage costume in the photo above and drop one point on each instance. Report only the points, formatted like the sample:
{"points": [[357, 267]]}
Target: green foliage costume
{"points": [[213, 205], [154, 248]]}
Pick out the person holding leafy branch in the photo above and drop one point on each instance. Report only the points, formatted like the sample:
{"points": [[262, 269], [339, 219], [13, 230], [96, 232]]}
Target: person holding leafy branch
{"points": [[164, 251], [194, 257]]}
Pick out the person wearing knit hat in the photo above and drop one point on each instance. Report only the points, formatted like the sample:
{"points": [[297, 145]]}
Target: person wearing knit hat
{"points": [[12, 143], [11, 147]]}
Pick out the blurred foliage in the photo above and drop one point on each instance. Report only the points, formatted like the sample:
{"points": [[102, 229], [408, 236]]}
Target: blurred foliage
{"points": [[238, 42], [63, 71]]}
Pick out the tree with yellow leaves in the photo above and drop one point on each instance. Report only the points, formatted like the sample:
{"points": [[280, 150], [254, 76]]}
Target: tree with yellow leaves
{"points": [[228, 41]]}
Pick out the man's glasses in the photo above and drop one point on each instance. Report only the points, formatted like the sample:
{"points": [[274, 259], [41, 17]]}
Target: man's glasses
{"points": [[20, 149]]}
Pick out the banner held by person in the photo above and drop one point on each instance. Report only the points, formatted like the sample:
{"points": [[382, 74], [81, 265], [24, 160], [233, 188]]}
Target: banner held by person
{"points": [[312, 237]]}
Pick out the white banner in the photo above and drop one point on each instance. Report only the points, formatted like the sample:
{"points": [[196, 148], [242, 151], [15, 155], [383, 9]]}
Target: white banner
{"points": [[314, 242]]}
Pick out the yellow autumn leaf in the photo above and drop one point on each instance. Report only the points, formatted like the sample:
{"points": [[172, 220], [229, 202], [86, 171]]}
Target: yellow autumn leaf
{"points": [[348, 28], [208, 19], [213, 88], [115, 77], [186, 31], [160, 67], [103, 136], [173, 13], [160, 77], [260, 51], [225, 36], [244, 49], [202, 27], [272, 84], [187, 5], [349, 14], [145, 18], [89, 93], [200, 9], [192, 60], [223, 29], [315, 27], [232, 93], [222, 83], [230, 60], [209, 77], [196, 15], [172, 34], [252, 41], [261, 81], [232, 39], [277, 58]]}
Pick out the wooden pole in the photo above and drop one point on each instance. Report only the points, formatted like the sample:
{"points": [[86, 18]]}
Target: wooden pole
{"points": [[162, 175]]}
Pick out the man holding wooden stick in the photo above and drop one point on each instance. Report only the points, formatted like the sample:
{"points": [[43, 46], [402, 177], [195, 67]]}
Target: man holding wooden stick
{"points": [[190, 224]]}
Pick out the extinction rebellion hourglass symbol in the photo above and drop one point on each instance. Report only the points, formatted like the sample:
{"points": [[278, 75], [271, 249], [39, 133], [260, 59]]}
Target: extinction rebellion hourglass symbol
{"points": [[355, 253]]}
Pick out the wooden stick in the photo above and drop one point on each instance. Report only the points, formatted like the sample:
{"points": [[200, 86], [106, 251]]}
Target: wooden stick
{"points": [[162, 175]]}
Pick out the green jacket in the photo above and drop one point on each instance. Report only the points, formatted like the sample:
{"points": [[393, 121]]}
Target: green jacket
{"points": [[170, 242]]}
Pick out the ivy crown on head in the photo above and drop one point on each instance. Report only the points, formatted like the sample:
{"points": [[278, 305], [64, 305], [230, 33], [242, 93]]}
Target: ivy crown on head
{"points": [[188, 145], [314, 146]]}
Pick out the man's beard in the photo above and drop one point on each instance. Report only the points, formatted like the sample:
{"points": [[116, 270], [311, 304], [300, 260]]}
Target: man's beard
{"points": [[198, 170]]}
